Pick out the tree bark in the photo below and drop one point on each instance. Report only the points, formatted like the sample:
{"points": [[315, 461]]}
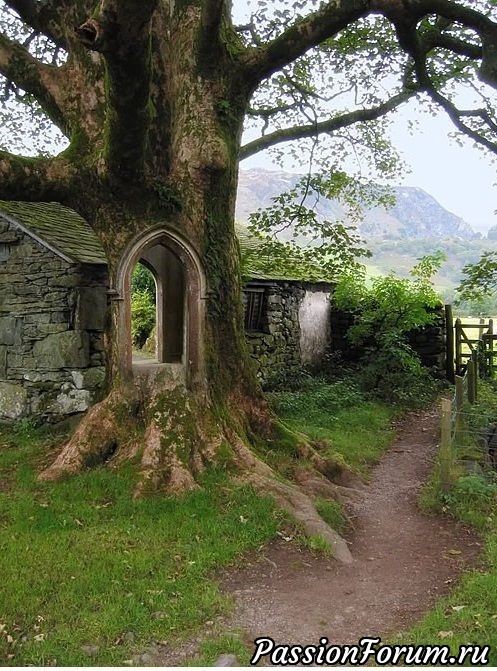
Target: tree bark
{"points": [[155, 115]]}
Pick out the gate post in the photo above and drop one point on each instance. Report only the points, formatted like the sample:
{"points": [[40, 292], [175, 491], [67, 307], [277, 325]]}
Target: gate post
{"points": [[449, 344]]}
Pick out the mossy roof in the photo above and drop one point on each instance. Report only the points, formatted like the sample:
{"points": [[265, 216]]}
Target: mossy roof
{"points": [[66, 233], [57, 227], [255, 269]]}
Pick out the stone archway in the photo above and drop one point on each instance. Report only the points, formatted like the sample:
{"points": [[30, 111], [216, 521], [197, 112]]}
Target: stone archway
{"points": [[180, 301]]}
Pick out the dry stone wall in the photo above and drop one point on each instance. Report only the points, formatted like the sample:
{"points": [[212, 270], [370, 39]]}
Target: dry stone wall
{"points": [[52, 318], [277, 346], [295, 329], [428, 342]]}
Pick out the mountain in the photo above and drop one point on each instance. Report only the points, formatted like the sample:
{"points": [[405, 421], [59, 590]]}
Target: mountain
{"points": [[415, 215]]}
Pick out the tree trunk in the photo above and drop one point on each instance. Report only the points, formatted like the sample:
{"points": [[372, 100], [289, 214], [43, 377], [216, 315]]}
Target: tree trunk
{"points": [[174, 427]]}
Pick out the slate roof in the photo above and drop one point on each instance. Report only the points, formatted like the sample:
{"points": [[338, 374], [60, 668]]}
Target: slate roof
{"points": [[254, 269], [67, 234], [57, 227]]}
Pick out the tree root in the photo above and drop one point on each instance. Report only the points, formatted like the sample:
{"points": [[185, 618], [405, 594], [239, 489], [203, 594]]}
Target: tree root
{"points": [[300, 506], [290, 498], [97, 437], [176, 435]]}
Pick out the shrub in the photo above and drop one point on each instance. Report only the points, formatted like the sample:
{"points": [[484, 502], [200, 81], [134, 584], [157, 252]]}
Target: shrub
{"points": [[394, 373], [384, 314], [142, 317]]}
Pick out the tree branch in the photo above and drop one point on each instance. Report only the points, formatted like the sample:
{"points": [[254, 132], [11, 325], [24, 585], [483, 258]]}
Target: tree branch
{"points": [[40, 80], [419, 53], [121, 32], [34, 179], [408, 13], [42, 17], [304, 34], [440, 40], [328, 126]]}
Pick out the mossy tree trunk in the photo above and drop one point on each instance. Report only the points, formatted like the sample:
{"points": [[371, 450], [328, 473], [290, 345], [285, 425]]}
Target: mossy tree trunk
{"points": [[167, 153]]}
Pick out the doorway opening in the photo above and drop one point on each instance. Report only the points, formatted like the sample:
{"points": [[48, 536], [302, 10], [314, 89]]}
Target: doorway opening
{"points": [[178, 311], [143, 313], [158, 307]]}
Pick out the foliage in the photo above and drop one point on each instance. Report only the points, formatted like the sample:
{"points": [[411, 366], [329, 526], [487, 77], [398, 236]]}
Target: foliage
{"points": [[142, 280], [399, 254], [358, 429], [385, 313], [394, 373], [296, 242], [101, 569], [481, 278], [142, 316]]}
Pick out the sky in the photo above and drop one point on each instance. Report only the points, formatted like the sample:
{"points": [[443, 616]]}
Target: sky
{"points": [[463, 179]]}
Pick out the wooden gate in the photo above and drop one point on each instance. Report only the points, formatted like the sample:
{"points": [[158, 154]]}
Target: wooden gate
{"points": [[481, 349]]}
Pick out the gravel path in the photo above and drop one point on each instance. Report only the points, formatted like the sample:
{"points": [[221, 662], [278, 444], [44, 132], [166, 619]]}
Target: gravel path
{"points": [[404, 560]]}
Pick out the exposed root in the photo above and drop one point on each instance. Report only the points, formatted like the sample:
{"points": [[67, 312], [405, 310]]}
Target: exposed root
{"points": [[177, 435], [290, 498], [300, 506], [97, 437], [316, 484]]}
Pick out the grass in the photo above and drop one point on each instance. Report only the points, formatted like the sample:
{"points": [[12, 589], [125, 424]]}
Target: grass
{"points": [[359, 429], [469, 614], [82, 563]]}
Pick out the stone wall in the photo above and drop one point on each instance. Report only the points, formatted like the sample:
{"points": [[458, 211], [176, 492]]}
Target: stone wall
{"points": [[295, 330], [429, 342], [52, 317], [277, 346]]}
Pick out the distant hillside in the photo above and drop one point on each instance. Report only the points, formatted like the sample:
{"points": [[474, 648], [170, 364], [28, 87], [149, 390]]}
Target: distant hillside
{"points": [[416, 214]]}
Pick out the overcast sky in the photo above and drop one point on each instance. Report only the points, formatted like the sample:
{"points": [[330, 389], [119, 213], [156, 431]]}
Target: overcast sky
{"points": [[462, 179]]}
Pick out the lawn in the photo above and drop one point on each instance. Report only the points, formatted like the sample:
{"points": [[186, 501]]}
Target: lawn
{"points": [[358, 429], [84, 567], [83, 564]]}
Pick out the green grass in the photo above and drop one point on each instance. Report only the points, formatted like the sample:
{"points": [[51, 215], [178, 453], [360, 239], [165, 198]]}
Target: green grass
{"points": [[82, 563], [474, 623], [469, 614], [224, 644], [359, 430]]}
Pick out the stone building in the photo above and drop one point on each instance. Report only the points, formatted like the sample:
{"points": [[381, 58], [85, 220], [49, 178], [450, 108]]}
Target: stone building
{"points": [[53, 307], [287, 323], [55, 300]]}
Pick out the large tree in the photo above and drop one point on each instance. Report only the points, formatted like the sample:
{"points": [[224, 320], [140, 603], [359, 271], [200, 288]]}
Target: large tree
{"points": [[153, 97]]}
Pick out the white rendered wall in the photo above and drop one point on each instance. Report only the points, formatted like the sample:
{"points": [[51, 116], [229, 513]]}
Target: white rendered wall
{"points": [[315, 327]]}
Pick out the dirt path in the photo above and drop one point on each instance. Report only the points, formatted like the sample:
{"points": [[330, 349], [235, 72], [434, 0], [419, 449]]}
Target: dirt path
{"points": [[404, 560]]}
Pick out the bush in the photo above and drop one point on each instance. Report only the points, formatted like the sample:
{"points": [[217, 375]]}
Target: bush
{"points": [[394, 373], [142, 317], [385, 313]]}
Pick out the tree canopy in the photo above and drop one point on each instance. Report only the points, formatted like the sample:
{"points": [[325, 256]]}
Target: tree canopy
{"points": [[323, 81], [321, 74]]}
